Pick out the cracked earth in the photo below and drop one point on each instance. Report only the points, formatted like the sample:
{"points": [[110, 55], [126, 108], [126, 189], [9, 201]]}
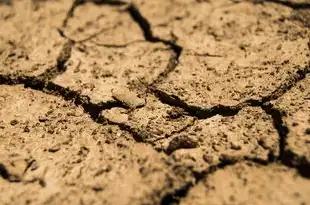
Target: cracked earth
{"points": [[150, 102]]}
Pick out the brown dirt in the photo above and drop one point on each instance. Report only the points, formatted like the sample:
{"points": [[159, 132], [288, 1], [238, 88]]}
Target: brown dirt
{"points": [[155, 102]]}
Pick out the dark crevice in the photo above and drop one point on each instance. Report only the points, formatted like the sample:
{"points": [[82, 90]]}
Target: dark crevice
{"points": [[203, 113], [109, 2], [289, 83], [62, 59], [286, 156], [139, 135], [172, 63], [94, 35], [177, 195], [53, 89], [148, 35], [180, 193], [279, 125], [70, 13], [4, 173], [193, 53], [77, 3], [175, 132], [200, 113], [301, 163], [143, 23], [147, 30], [288, 3], [117, 45]]}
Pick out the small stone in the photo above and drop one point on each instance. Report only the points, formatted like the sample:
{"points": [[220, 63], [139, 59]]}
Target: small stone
{"points": [[235, 146], [42, 119], [175, 113], [14, 122], [115, 115], [229, 158], [54, 148], [294, 124], [208, 158], [181, 142], [26, 129], [127, 98], [307, 131]]}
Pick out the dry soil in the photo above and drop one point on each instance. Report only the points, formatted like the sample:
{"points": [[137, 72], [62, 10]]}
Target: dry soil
{"points": [[146, 102]]}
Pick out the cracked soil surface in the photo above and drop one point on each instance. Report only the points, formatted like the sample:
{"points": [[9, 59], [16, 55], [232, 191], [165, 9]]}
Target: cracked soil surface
{"points": [[146, 102]]}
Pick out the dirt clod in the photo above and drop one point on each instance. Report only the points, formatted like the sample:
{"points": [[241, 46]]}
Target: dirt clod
{"points": [[127, 98], [181, 142]]}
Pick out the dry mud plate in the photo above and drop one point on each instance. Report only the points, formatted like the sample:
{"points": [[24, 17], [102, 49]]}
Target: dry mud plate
{"points": [[146, 102]]}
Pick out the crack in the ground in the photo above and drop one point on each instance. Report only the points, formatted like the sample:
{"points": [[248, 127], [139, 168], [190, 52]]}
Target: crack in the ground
{"points": [[286, 156], [204, 113], [62, 59], [138, 134], [51, 88], [279, 125], [70, 13], [175, 132], [142, 23], [4, 173], [172, 64], [291, 4], [289, 83], [200, 113], [11, 177], [149, 36], [77, 3], [177, 195], [117, 45], [41, 83]]}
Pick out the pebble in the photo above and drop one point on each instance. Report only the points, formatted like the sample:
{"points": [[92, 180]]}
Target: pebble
{"points": [[128, 98], [235, 145], [14, 122], [182, 142], [115, 115], [54, 148]]}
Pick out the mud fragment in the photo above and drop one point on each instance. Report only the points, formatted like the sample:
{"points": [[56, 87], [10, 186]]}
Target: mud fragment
{"points": [[127, 98]]}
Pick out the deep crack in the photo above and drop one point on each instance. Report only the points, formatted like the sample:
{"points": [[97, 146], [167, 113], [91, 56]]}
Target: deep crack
{"points": [[42, 83], [203, 113], [149, 36], [51, 88], [279, 125], [200, 113], [286, 156], [62, 59], [177, 195], [289, 83], [288, 3]]}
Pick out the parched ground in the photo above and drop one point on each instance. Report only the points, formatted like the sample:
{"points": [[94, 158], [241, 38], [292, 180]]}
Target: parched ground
{"points": [[146, 102]]}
